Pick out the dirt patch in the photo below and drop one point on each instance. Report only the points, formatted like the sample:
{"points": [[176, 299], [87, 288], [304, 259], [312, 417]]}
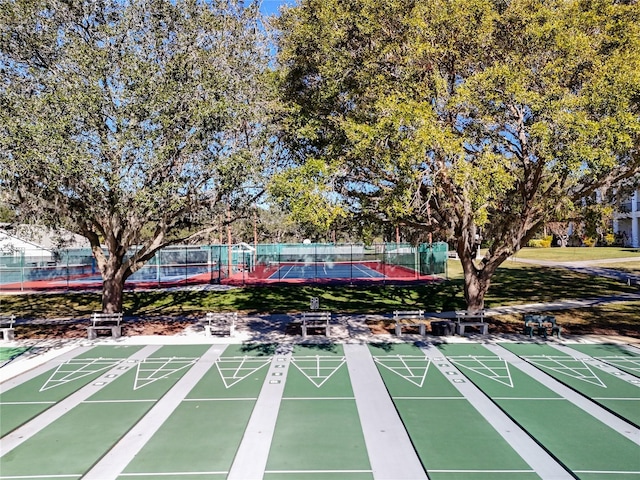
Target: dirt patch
{"points": [[601, 320], [75, 329], [593, 321]]}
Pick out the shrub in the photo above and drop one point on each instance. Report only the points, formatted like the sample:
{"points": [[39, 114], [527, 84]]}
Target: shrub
{"points": [[609, 239], [540, 242]]}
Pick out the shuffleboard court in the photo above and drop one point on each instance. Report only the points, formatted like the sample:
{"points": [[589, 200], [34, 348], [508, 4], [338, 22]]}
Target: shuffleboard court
{"points": [[28, 399], [617, 355], [435, 412], [117, 404], [212, 418], [318, 434], [582, 442], [8, 353], [584, 376]]}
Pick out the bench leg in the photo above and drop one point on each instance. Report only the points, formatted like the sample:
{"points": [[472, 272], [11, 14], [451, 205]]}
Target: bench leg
{"points": [[8, 334], [484, 328], [91, 333], [459, 329], [398, 330], [423, 329], [304, 330]]}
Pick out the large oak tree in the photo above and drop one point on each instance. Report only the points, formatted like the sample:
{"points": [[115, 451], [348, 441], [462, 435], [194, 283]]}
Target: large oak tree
{"points": [[132, 123], [460, 117]]}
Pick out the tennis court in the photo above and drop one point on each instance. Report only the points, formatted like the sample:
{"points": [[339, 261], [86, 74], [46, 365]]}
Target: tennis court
{"points": [[237, 264], [324, 411], [326, 270]]}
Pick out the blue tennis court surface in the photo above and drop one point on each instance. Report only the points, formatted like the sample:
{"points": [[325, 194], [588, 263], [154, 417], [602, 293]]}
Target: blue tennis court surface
{"points": [[325, 270]]}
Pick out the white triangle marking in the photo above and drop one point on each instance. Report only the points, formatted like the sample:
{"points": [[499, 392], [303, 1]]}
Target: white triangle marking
{"points": [[235, 377], [317, 368], [632, 364], [417, 380], [165, 367], [555, 364], [486, 367], [77, 373]]}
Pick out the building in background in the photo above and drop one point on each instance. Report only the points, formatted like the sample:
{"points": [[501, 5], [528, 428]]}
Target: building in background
{"points": [[626, 221]]}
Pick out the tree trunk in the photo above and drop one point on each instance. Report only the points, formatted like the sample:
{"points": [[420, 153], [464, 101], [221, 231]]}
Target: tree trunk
{"points": [[475, 288], [476, 280], [112, 292]]}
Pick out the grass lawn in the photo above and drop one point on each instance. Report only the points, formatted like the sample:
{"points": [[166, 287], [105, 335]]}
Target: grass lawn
{"points": [[577, 254], [514, 283]]}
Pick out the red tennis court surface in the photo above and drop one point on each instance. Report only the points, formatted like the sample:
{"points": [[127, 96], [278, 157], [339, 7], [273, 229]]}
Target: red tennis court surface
{"points": [[272, 273]]}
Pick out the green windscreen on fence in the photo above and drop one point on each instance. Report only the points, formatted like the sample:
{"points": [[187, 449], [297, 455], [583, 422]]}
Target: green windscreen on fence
{"points": [[240, 263]]}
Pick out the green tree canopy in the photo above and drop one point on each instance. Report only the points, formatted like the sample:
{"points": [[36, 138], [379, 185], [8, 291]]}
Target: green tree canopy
{"points": [[131, 122], [463, 117]]}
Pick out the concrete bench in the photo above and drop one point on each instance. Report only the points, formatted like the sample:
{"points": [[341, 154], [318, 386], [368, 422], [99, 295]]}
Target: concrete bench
{"points": [[220, 323], [466, 318], [315, 321], [6, 327], [105, 322], [409, 318], [540, 325]]}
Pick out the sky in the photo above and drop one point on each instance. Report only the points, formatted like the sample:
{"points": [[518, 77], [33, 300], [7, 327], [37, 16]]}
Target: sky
{"points": [[271, 7]]}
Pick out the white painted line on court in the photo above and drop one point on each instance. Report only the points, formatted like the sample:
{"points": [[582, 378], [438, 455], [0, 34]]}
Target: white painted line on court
{"points": [[603, 363], [17, 373], [318, 398], [172, 474], [26, 477], [316, 471], [114, 462], [27, 403], [481, 471], [233, 399]]}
